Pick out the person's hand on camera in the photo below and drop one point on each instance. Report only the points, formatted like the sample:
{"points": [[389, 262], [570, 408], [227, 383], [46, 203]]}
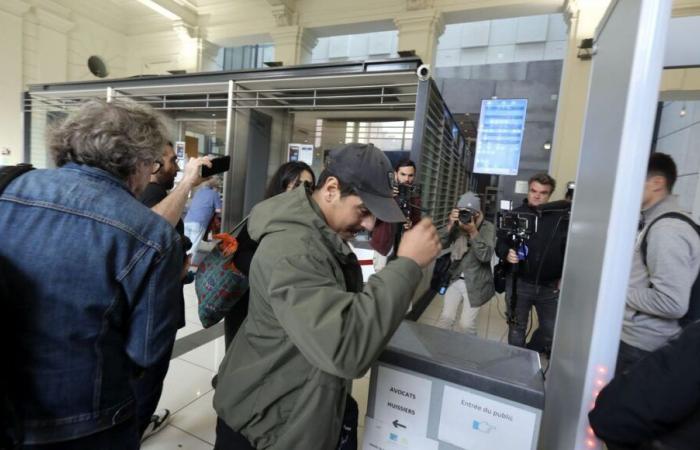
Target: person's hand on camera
{"points": [[407, 225], [421, 243], [471, 227], [512, 257], [395, 189], [192, 175], [452, 218]]}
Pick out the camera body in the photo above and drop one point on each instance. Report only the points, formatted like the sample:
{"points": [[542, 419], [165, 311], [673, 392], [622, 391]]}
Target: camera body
{"points": [[406, 193], [516, 228], [466, 215], [521, 225]]}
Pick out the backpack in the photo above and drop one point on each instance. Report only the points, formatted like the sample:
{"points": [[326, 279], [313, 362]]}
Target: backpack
{"points": [[693, 313], [10, 426]]}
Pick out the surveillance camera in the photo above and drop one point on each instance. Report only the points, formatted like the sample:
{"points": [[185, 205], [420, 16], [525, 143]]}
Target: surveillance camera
{"points": [[423, 72]]}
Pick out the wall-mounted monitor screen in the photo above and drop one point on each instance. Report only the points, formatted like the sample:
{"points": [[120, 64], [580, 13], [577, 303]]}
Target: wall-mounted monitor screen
{"points": [[500, 136]]}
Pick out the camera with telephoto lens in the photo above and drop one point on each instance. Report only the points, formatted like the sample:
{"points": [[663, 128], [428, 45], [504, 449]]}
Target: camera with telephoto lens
{"points": [[406, 193], [515, 228]]}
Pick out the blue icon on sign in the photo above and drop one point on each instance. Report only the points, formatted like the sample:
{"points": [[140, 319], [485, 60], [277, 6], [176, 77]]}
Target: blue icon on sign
{"points": [[484, 427]]}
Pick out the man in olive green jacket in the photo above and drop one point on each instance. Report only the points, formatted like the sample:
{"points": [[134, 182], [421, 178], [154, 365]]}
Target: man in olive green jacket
{"points": [[472, 241], [312, 327]]}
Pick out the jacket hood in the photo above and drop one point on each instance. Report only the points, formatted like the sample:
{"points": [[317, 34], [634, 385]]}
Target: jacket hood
{"points": [[293, 210]]}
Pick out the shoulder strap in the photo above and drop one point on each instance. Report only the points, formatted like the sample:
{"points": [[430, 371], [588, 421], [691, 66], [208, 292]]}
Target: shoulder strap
{"points": [[239, 226], [9, 173], [670, 215]]}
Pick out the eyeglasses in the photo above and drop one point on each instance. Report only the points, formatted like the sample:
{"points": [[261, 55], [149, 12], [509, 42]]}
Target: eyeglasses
{"points": [[308, 185], [156, 166]]}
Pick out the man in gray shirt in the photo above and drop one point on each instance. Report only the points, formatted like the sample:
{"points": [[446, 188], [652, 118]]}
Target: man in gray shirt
{"points": [[659, 291]]}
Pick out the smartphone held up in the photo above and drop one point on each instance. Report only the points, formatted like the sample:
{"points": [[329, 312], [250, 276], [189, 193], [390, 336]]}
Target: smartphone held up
{"points": [[218, 165]]}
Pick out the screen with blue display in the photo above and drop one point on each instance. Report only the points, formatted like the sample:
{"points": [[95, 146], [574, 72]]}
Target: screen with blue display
{"points": [[500, 136]]}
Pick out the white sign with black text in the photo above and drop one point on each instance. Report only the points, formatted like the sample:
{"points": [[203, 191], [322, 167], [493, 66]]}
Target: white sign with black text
{"points": [[476, 422], [403, 400]]}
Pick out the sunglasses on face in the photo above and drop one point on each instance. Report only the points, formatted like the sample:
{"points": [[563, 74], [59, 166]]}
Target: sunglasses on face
{"points": [[298, 183]]}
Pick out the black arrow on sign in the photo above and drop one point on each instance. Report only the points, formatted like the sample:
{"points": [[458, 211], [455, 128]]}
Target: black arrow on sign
{"points": [[397, 424]]}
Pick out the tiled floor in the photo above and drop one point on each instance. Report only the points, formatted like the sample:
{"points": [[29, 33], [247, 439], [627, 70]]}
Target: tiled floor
{"points": [[188, 392]]}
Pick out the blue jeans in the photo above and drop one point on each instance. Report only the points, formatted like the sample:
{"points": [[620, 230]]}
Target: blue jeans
{"points": [[195, 232], [544, 299], [147, 391]]}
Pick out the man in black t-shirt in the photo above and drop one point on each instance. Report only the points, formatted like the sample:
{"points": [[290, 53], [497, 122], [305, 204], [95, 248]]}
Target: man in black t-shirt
{"points": [[170, 206]]}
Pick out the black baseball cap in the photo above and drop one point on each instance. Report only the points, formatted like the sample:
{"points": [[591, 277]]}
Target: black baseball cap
{"points": [[367, 169]]}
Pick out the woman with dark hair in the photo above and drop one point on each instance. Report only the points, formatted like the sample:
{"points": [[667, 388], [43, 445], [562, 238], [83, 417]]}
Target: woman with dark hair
{"points": [[289, 176]]}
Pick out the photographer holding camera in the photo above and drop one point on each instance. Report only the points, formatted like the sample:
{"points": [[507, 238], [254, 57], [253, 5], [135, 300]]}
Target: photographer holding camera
{"points": [[539, 266], [472, 240], [407, 196]]}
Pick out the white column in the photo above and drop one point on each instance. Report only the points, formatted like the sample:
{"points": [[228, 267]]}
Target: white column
{"points": [[573, 93], [420, 30], [45, 53], [50, 56], [293, 44], [11, 81], [206, 55]]}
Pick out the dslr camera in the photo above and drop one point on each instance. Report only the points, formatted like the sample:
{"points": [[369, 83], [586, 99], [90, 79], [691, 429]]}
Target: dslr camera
{"points": [[466, 215], [406, 193]]}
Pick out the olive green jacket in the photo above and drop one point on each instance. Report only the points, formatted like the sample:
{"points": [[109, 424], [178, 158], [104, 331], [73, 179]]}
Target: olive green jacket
{"points": [[475, 265], [311, 328]]}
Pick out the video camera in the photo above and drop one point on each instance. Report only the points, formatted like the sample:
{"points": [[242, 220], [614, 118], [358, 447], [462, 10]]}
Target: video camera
{"points": [[407, 192], [516, 225]]}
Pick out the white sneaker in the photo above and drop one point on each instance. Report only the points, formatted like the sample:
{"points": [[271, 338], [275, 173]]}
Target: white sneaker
{"points": [[159, 420]]}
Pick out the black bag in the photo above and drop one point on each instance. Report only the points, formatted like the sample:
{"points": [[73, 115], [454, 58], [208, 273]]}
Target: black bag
{"points": [[656, 400], [500, 273], [441, 274], [693, 313], [9, 173]]}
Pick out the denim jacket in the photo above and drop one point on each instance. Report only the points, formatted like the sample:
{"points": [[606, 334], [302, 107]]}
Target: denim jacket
{"points": [[93, 277]]}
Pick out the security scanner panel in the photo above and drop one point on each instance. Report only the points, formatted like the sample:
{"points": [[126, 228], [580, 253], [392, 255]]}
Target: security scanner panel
{"points": [[435, 389]]}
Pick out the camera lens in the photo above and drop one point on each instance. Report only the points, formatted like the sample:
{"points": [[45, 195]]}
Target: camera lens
{"points": [[465, 216]]}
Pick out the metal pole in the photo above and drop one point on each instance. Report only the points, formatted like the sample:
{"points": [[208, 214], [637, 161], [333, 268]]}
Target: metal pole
{"points": [[619, 121]]}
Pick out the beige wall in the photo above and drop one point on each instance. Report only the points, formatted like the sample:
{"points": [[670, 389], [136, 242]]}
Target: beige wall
{"points": [[50, 40], [11, 86]]}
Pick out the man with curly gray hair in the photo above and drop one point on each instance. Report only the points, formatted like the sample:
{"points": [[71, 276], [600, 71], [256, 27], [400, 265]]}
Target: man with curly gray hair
{"points": [[93, 279]]}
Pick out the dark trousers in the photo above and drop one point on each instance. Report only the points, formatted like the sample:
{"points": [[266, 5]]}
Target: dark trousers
{"points": [[544, 299], [124, 436], [229, 439], [627, 357]]}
